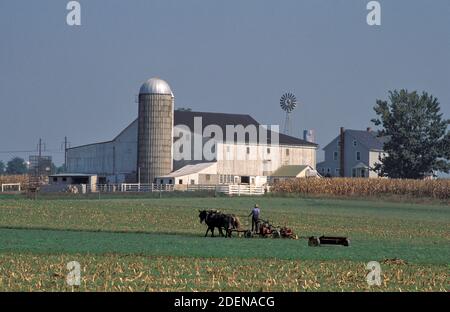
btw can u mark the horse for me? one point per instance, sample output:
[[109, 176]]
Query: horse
[[214, 218]]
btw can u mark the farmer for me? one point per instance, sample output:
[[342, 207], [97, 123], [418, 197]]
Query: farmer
[[255, 217]]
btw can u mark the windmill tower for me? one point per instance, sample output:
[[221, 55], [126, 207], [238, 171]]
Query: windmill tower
[[288, 102]]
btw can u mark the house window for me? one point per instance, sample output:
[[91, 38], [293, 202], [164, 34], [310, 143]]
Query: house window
[[287, 152], [161, 181], [248, 150], [170, 181], [328, 170], [64, 179], [353, 172], [55, 179], [335, 156], [358, 155], [180, 181], [268, 150], [354, 142], [337, 171], [192, 181], [322, 169], [208, 177]]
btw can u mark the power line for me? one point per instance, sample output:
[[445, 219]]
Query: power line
[[7, 152]]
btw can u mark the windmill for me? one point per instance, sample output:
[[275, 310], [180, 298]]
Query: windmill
[[288, 102]]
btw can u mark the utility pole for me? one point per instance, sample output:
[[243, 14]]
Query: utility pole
[[39, 158], [65, 154]]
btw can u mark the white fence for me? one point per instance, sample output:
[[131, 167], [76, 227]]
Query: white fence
[[231, 189], [10, 187], [129, 187], [241, 189]]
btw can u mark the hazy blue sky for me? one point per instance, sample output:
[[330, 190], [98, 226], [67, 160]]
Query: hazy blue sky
[[224, 56]]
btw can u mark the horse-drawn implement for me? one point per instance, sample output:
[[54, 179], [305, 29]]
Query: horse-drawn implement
[[264, 229]]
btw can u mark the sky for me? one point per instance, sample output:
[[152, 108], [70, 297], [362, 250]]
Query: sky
[[229, 56]]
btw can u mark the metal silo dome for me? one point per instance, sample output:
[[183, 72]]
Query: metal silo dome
[[155, 130], [155, 86]]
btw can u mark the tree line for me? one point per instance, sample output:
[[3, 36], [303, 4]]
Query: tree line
[[18, 165]]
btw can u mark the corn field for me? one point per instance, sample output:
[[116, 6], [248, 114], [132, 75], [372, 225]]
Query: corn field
[[22, 179], [438, 189]]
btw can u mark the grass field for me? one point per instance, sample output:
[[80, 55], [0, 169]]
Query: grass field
[[137, 244]]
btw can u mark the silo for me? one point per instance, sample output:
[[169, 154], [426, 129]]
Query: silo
[[155, 130]]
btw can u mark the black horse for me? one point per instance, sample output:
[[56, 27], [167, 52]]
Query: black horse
[[216, 219], [212, 219]]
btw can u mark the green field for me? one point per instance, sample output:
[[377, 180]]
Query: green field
[[137, 244]]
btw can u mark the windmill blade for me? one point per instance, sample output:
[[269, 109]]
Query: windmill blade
[[288, 102]]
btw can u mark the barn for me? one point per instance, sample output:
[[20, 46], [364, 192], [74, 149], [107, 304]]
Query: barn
[[169, 146]]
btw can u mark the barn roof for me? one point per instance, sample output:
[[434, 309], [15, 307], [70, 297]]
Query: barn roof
[[224, 119]]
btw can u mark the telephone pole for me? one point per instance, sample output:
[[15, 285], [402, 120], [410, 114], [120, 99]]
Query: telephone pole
[[65, 154], [39, 158]]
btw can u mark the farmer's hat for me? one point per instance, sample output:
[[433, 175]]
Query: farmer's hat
[[256, 206]]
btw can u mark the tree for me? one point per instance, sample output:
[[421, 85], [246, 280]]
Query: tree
[[16, 166], [417, 138], [2, 167], [56, 169]]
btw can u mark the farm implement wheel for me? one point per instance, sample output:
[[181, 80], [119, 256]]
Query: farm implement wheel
[[276, 234], [313, 241]]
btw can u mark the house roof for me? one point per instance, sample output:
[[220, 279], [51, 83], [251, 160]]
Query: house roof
[[368, 139], [289, 171]]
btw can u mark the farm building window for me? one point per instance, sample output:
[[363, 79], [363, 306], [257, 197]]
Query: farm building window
[[287, 152], [192, 181], [268, 150], [161, 181], [337, 171], [335, 155], [208, 177], [328, 170], [248, 150], [358, 155], [55, 179], [64, 179], [180, 181]]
